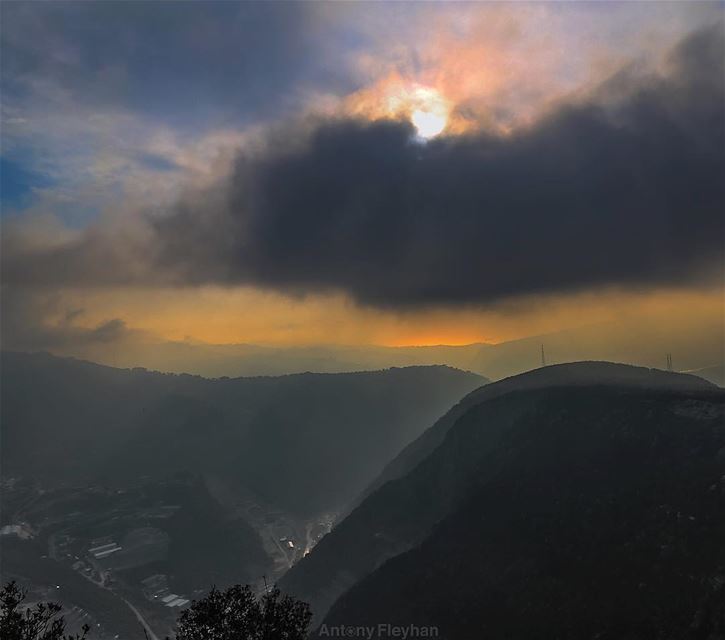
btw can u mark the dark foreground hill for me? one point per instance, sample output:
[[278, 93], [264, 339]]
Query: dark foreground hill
[[589, 513], [512, 458], [282, 438]]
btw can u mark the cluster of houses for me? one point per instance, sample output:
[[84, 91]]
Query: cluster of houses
[[104, 550], [156, 589]]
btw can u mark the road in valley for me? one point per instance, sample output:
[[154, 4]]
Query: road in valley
[[144, 624]]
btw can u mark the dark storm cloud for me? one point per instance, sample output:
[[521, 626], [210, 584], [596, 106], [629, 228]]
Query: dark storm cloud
[[625, 189]]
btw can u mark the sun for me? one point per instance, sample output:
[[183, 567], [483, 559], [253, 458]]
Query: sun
[[429, 113], [428, 123]]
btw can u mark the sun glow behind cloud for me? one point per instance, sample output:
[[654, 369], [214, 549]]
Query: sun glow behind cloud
[[497, 66], [399, 99], [491, 69]]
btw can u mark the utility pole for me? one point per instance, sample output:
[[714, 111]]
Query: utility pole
[[543, 357], [669, 362]]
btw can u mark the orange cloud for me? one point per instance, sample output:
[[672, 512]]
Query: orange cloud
[[495, 65], [487, 65]]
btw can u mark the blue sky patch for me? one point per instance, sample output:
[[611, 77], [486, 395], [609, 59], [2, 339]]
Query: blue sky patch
[[18, 183]]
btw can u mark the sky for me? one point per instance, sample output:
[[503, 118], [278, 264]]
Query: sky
[[357, 173]]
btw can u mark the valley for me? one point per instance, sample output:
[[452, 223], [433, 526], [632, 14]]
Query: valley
[[573, 460], [142, 490], [135, 546]]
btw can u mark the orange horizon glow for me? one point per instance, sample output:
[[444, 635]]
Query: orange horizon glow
[[217, 315]]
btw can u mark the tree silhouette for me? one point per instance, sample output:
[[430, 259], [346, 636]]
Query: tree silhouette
[[39, 622], [237, 614]]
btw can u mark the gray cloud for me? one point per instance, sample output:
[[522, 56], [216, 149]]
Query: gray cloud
[[183, 63], [38, 321], [625, 188]]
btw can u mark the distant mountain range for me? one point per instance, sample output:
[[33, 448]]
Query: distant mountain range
[[574, 501], [282, 438], [694, 345]]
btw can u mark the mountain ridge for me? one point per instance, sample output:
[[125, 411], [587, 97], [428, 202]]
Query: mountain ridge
[[255, 430]]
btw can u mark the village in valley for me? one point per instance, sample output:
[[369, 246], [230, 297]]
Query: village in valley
[[119, 555]]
